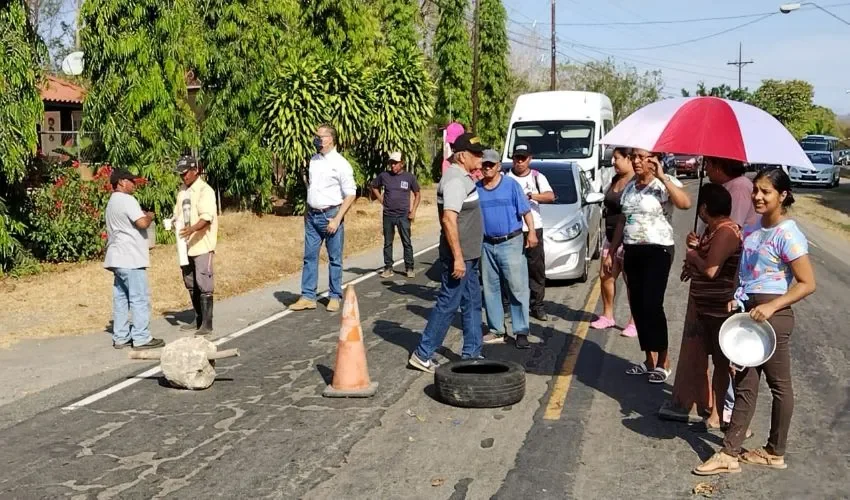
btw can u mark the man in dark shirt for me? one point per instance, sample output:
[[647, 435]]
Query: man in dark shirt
[[460, 251], [399, 210]]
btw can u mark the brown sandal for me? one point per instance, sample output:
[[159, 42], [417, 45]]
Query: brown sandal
[[719, 463], [763, 458]]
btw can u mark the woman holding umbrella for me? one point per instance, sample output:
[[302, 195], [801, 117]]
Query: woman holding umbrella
[[647, 237], [774, 255]]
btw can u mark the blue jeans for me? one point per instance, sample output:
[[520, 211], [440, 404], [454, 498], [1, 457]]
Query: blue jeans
[[315, 232], [505, 263], [131, 295], [465, 294]]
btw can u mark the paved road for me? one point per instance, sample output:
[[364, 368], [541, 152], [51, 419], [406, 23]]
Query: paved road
[[264, 431]]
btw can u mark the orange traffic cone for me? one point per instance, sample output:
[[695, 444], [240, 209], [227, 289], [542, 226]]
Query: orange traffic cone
[[351, 375]]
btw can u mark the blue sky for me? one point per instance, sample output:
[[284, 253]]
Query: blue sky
[[805, 44]]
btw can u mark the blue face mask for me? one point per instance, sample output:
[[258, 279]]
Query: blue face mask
[[317, 141]]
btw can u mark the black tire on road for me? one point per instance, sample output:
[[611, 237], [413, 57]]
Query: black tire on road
[[480, 383]]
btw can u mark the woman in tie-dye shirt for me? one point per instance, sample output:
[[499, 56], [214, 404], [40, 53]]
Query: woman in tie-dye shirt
[[774, 273]]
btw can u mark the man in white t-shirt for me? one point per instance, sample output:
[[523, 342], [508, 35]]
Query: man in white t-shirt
[[537, 188]]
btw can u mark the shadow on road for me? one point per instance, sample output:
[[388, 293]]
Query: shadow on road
[[175, 318], [639, 400], [286, 298]]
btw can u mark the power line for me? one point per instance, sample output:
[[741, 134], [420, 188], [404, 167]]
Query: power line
[[692, 40], [683, 21]]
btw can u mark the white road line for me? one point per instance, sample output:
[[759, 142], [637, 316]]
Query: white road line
[[235, 335]]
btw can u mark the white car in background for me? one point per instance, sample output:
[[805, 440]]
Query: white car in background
[[824, 171]]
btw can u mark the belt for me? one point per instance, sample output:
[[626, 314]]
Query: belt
[[502, 239], [321, 210]]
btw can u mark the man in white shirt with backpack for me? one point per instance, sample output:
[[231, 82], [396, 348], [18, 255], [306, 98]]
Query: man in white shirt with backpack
[[537, 188]]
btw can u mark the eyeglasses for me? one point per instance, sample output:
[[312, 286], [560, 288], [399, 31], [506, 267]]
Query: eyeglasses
[[520, 157], [488, 166]]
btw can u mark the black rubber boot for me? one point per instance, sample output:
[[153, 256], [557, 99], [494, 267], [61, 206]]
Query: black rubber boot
[[196, 305], [206, 327]]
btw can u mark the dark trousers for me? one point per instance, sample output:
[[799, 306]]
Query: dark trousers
[[198, 276], [647, 268], [536, 258], [402, 223], [777, 371]]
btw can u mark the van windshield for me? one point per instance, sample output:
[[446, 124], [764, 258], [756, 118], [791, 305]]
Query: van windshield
[[555, 140], [814, 145]]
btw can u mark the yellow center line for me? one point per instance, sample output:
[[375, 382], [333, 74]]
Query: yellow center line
[[565, 376]]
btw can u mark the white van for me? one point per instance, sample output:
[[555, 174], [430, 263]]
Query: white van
[[564, 125]]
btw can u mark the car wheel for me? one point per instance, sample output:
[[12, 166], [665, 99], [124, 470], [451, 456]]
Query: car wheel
[[586, 271], [480, 383], [597, 252]]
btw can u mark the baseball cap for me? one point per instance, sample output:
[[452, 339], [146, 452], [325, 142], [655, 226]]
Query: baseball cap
[[522, 149], [468, 142], [186, 162], [395, 157], [122, 173], [491, 156]]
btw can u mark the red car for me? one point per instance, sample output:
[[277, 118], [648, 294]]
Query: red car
[[685, 165]]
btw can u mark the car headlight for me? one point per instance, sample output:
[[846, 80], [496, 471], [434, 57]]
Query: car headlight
[[794, 171], [567, 233]]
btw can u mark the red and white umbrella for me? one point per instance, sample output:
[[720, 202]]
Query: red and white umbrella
[[709, 126]]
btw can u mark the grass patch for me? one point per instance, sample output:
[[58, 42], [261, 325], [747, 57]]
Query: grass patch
[[252, 252]]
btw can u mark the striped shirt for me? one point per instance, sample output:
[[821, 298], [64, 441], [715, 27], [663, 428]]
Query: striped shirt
[[711, 295]]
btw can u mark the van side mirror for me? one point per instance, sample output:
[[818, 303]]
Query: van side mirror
[[606, 154]]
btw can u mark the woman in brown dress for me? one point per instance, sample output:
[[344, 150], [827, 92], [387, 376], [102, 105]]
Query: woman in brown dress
[[711, 265]]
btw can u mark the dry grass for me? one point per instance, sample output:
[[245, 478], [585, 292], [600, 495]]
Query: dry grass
[[828, 208], [252, 252]]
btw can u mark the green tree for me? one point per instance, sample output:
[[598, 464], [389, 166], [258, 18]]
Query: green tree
[[400, 20], [627, 89], [453, 56], [249, 41], [494, 82], [723, 91], [789, 101], [293, 105], [348, 28], [138, 53], [21, 108], [402, 107], [822, 121]]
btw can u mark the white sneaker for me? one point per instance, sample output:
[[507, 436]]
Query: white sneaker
[[429, 366]]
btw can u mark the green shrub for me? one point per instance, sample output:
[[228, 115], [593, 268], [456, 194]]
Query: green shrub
[[66, 219]]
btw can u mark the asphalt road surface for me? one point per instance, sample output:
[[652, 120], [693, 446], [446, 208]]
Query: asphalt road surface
[[583, 430]]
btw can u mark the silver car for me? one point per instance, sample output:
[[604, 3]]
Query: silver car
[[572, 226], [824, 172]]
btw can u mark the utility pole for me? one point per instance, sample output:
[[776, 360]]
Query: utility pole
[[476, 44], [553, 68], [739, 63], [77, 25], [33, 7]]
